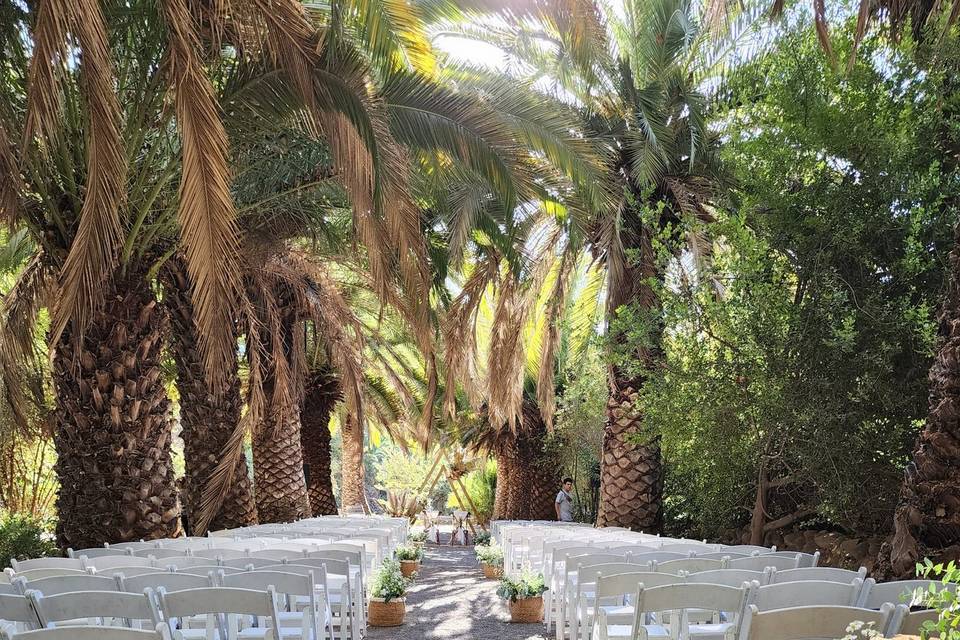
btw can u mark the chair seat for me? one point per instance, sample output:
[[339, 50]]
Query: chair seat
[[624, 631]]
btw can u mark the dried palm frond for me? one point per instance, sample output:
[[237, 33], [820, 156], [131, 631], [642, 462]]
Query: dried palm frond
[[92, 254], [11, 182], [404, 504], [208, 225]]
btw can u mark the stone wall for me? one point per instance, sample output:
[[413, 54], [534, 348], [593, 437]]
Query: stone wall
[[836, 549]]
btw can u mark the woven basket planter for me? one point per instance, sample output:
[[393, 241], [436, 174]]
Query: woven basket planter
[[491, 571], [386, 614], [527, 610], [409, 567]]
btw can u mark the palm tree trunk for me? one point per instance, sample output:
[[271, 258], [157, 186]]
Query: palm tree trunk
[[279, 482], [208, 417], [352, 495], [927, 518], [113, 431], [631, 474], [504, 482], [542, 470], [322, 394]]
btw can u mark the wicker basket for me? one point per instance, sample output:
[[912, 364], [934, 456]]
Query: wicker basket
[[386, 614], [527, 610], [491, 571], [409, 567]]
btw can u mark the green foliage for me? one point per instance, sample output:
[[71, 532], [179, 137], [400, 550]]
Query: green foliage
[[945, 601], [525, 585], [22, 538], [797, 342], [388, 582], [419, 535], [409, 552], [481, 485], [482, 538], [398, 471], [490, 554]]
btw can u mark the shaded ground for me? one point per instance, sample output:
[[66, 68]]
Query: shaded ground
[[451, 600]]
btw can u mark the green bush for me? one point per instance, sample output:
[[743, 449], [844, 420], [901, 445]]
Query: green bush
[[526, 585], [22, 538], [408, 552], [945, 601], [481, 486], [388, 583], [417, 536], [482, 538], [489, 554]]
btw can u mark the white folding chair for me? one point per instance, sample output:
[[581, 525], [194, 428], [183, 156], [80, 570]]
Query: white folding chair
[[690, 547], [807, 593], [186, 563], [97, 552], [276, 555], [749, 549], [561, 561], [657, 556], [653, 605], [158, 553], [814, 623], [827, 574], [98, 608], [224, 608], [131, 547], [805, 560], [92, 633], [913, 593], [731, 577], [570, 577], [911, 623], [243, 563], [37, 574], [220, 555], [346, 606], [614, 595], [17, 610], [290, 587], [578, 605], [128, 571], [167, 581]]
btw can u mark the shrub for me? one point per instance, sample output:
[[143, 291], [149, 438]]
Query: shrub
[[388, 583], [22, 538], [417, 536], [490, 554], [526, 585], [482, 538], [408, 552], [946, 602], [481, 486]]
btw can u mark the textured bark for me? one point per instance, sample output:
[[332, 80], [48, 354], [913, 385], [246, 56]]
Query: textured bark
[[113, 430], [208, 417], [352, 495], [504, 482], [631, 477], [528, 470], [281, 489], [927, 518], [321, 396]]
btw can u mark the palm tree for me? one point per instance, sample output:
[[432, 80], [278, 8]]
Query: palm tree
[[321, 395], [639, 92]]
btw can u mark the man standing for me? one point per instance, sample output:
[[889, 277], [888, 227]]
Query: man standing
[[564, 501]]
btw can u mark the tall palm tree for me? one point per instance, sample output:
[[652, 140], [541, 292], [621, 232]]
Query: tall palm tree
[[321, 395], [640, 93]]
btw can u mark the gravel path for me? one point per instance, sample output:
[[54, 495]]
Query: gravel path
[[450, 600]]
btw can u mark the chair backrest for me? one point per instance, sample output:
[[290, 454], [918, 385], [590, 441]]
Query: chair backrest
[[632, 549], [8, 589], [626, 584], [157, 552], [657, 556], [63, 584], [912, 622], [36, 574], [276, 555], [161, 632], [166, 580], [690, 565], [186, 562], [691, 595], [16, 608], [805, 560], [217, 601], [812, 623], [288, 583], [720, 555], [109, 562], [828, 574], [807, 593], [130, 547], [128, 571], [94, 604], [689, 547], [759, 563], [731, 577], [46, 563], [332, 567], [243, 563], [912, 593], [355, 556], [220, 554], [95, 552], [748, 549], [207, 570]]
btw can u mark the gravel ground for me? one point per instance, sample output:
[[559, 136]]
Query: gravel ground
[[450, 600]]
